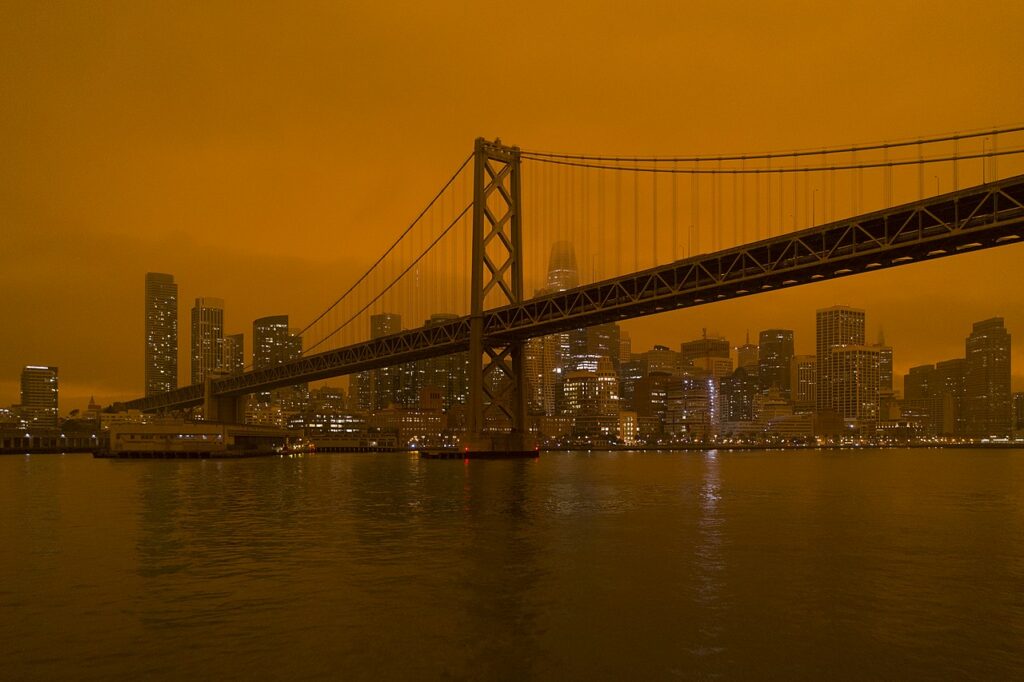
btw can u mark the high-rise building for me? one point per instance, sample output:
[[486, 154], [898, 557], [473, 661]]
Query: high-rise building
[[803, 382], [234, 354], [625, 347], [39, 396], [736, 394], [161, 332], [987, 380], [207, 337], [1018, 411], [540, 364], [884, 364], [448, 373], [271, 344], [776, 353], [855, 383], [378, 389], [836, 326], [747, 356], [563, 272]]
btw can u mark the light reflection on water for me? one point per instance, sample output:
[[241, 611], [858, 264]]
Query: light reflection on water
[[579, 565]]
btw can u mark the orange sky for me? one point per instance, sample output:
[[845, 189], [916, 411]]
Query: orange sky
[[262, 154]]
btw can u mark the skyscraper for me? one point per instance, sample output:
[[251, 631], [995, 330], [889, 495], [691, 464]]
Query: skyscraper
[[803, 382], [161, 332], [855, 383], [563, 273], [747, 356], [39, 395], [271, 344], [376, 389], [987, 380], [207, 337], [835, 326], [234, 354], [774, 358]]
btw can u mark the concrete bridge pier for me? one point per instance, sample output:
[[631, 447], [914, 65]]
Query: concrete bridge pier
[[222, 408]]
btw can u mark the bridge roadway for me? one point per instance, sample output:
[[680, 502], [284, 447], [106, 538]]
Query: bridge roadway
[[979, 217]]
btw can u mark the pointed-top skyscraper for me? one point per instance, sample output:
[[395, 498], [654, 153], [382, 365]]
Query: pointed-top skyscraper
[[563, 272]]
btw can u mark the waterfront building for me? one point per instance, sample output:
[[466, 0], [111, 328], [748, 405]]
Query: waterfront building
[[39, 396], [592, 399], [649, 404], [1018, 411], [987, 380], [835, 327], [207, 337], [855, 384], [161, 333], [692, 408], [774, 359]]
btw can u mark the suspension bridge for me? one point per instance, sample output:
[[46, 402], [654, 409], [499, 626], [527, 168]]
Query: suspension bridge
[[655, 233]]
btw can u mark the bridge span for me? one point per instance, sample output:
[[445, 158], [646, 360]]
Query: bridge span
[[978, 217]]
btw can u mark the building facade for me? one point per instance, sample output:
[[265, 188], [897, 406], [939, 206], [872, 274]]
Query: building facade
[[987, 380], [39, 396], [207, 337], [161, 333], [834, 327]]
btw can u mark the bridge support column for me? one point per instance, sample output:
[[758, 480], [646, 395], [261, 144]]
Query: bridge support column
[[497, 392], [222, 408]]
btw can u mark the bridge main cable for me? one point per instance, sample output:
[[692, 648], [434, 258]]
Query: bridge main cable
[[380, 260], [948, 137]]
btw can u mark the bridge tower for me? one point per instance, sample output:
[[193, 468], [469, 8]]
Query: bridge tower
[[497, 392]]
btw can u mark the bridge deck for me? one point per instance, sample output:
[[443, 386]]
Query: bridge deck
[[975, 218]]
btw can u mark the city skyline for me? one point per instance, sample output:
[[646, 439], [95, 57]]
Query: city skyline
[[802, 325], [219, 206]]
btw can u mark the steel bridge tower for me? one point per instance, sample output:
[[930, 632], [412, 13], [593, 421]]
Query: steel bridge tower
[[497, 393]]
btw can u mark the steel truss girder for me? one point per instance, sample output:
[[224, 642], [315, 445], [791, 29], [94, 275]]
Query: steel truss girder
[[975, 218]]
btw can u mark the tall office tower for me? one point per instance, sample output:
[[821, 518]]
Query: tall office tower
[[835, 326], [207, 337], [885, 364], [39, 395], [234, 354], [161, 329], [747, 356], [803, 382], [376, 389], [591, 398], [1018, 411], [625, 347], [855, 383], [541, 377], [775, 358], [448, 373], [948, 385], [563, 273], [987, 380]]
